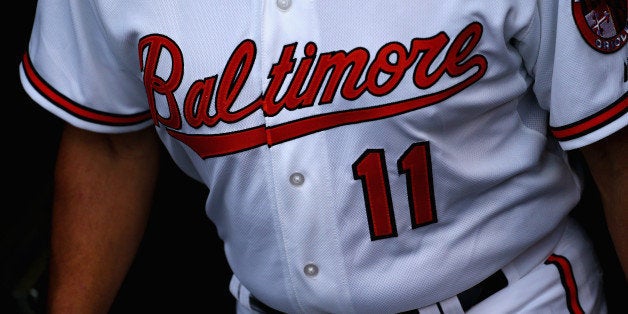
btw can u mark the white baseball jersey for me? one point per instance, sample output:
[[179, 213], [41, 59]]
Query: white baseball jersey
[[361, 156]]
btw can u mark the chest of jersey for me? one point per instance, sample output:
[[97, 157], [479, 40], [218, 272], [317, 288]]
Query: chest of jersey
[[351, 137], [264, 75]]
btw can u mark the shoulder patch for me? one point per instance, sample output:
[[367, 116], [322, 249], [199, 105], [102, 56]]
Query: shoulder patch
[[602, 23]]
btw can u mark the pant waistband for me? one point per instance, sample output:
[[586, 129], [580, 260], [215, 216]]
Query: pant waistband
[[483, 290], [467, 298]]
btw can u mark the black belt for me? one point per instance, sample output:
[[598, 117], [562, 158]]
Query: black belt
[[483, 290], [260, 307], [467, 298]]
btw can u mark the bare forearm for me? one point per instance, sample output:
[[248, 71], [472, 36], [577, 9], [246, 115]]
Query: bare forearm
[[102, 200], [607, 162]]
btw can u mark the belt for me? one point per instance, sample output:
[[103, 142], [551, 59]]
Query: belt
[[467, 298], [260, 307], [483, 290]]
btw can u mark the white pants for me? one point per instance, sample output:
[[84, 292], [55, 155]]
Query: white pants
[[568, 281]]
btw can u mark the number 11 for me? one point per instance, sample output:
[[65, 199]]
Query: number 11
[[415, 163]]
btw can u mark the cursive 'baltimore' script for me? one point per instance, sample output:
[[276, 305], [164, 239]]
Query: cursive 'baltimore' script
[[325, 75]]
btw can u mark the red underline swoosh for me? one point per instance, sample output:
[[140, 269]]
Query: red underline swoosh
[[213, 145]]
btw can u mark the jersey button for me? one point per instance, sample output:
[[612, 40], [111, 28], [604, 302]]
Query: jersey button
[[297, 179], [284, 5], [310, 270]]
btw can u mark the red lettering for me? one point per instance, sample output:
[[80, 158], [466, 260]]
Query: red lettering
[[197, 103], [294, 98], [338, 63], [234, 77], [431, 49], [461, 48], [277, 76], [395, 70], [154, 44], [348, 74]]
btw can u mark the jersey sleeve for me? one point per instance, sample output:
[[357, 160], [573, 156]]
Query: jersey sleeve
[[576, 50], [81, 70]]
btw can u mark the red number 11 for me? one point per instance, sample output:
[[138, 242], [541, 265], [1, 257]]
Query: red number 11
[[415, 163]]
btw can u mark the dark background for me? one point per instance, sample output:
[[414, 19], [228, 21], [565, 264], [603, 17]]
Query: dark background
[[180, 265]]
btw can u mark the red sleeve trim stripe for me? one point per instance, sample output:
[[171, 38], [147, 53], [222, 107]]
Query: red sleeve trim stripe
[[75, 109], [568, 281], [592, 123]]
